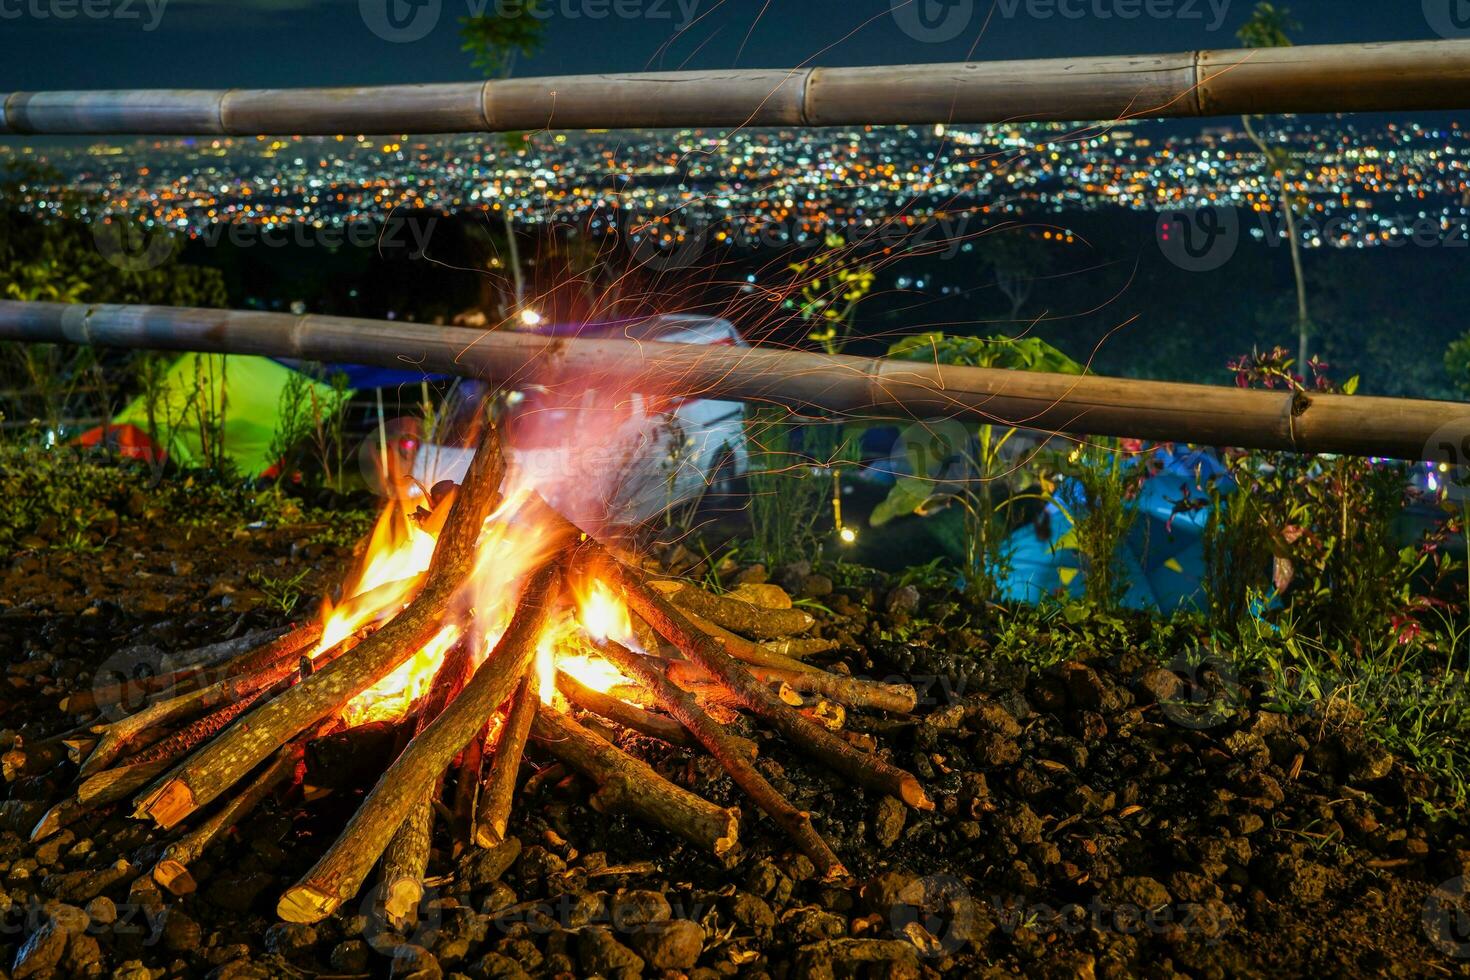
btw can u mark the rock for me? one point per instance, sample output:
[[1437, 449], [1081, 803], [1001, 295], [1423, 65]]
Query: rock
[[132, 970], [289, 938], [1021, 824], [1296, 878], [1375, 762], [1141, 892], [879, 894], [1084, 686], [903, 601], [498, 966], [752, 575], [350, 956], [817, 587], [1163, 686], [102, 911], [537, 863], [599, 953], [888, 821], [633, 909], [83, 957], [673, 945], [179, 933], [39, 955], [844, 957], [242, 970], [483, 868], [751, 914], [412, 962]]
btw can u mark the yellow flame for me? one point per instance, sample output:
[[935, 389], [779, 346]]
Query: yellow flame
[[392, 696], [594, 672]]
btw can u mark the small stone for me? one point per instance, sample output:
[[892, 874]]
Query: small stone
[[1142, 892], [41, 952], [1164, 686], [903, 600], [412, 962], [751, 913], [638, 908], [350, 956], [483, 868], [132, 970], [498, 966], [289, 938], [1375, 762], [888, 821], [599, 953], [673, 945], [83, 956], [102, 910], [178, 932], [817, 587]]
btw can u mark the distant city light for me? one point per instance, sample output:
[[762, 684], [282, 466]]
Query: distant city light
[[530, 318]]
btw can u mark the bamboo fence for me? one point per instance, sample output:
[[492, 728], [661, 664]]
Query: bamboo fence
[[853, 386], [1414, 75]]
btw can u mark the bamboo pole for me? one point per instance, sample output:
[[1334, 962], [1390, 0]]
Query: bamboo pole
[[1310, 78], [1398, 428]]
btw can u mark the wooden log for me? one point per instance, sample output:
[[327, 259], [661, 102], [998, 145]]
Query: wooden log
[[731, 757], [172, 869], [1400, 428], [243, 654], [850, 692], [1204, 415], [99, 791], [746, 651], [1398, 76], [505, 764], [406, 858], [338, 875], [807, 736], [629, 784], [221, 762], [749, 620], [621, 712]]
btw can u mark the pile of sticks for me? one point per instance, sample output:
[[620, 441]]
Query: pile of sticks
[[231, 726]]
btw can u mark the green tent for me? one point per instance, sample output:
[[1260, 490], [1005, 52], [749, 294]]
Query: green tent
[[243, 393]]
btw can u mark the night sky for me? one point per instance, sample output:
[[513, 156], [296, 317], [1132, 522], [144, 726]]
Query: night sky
[[249, 43]]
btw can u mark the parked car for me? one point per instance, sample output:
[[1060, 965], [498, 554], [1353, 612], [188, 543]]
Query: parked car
[[615, 458]]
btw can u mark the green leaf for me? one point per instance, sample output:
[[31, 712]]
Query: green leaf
[[906, 497]]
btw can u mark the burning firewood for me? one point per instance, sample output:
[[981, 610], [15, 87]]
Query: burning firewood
[[731, 757], [629, 784], [394, 664], [500, 790], [340, 872], [736, 615], [222, 762]]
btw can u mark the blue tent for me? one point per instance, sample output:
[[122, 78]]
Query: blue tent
[[1163, 560]]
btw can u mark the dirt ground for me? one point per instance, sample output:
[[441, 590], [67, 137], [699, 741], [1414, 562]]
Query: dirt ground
[[1087, 824]]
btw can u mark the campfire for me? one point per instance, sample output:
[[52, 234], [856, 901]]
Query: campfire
[[482, 623]]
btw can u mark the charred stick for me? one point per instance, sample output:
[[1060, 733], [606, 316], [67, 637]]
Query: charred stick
[[620, 711], [505, 764], [746, 651], [737, 615], [406, 858], [629, 784], [340, 872], [705, 651], [172, 869], [99, 791], [730, 755], [468, 768], [261, 652], [849, 691], [220, 763]]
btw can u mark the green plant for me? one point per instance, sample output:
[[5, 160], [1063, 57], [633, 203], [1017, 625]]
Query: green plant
[[948, 464], [832, 287], [787, 491], [282, 593], [1100, 530]]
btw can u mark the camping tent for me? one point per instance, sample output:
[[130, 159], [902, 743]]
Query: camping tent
[[244, 393], [1163, 560]]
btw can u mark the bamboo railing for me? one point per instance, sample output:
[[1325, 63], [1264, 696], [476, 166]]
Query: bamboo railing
[[854, 386], [1415, 75]]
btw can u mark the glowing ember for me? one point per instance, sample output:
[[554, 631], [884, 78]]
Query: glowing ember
[[590, 671]]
